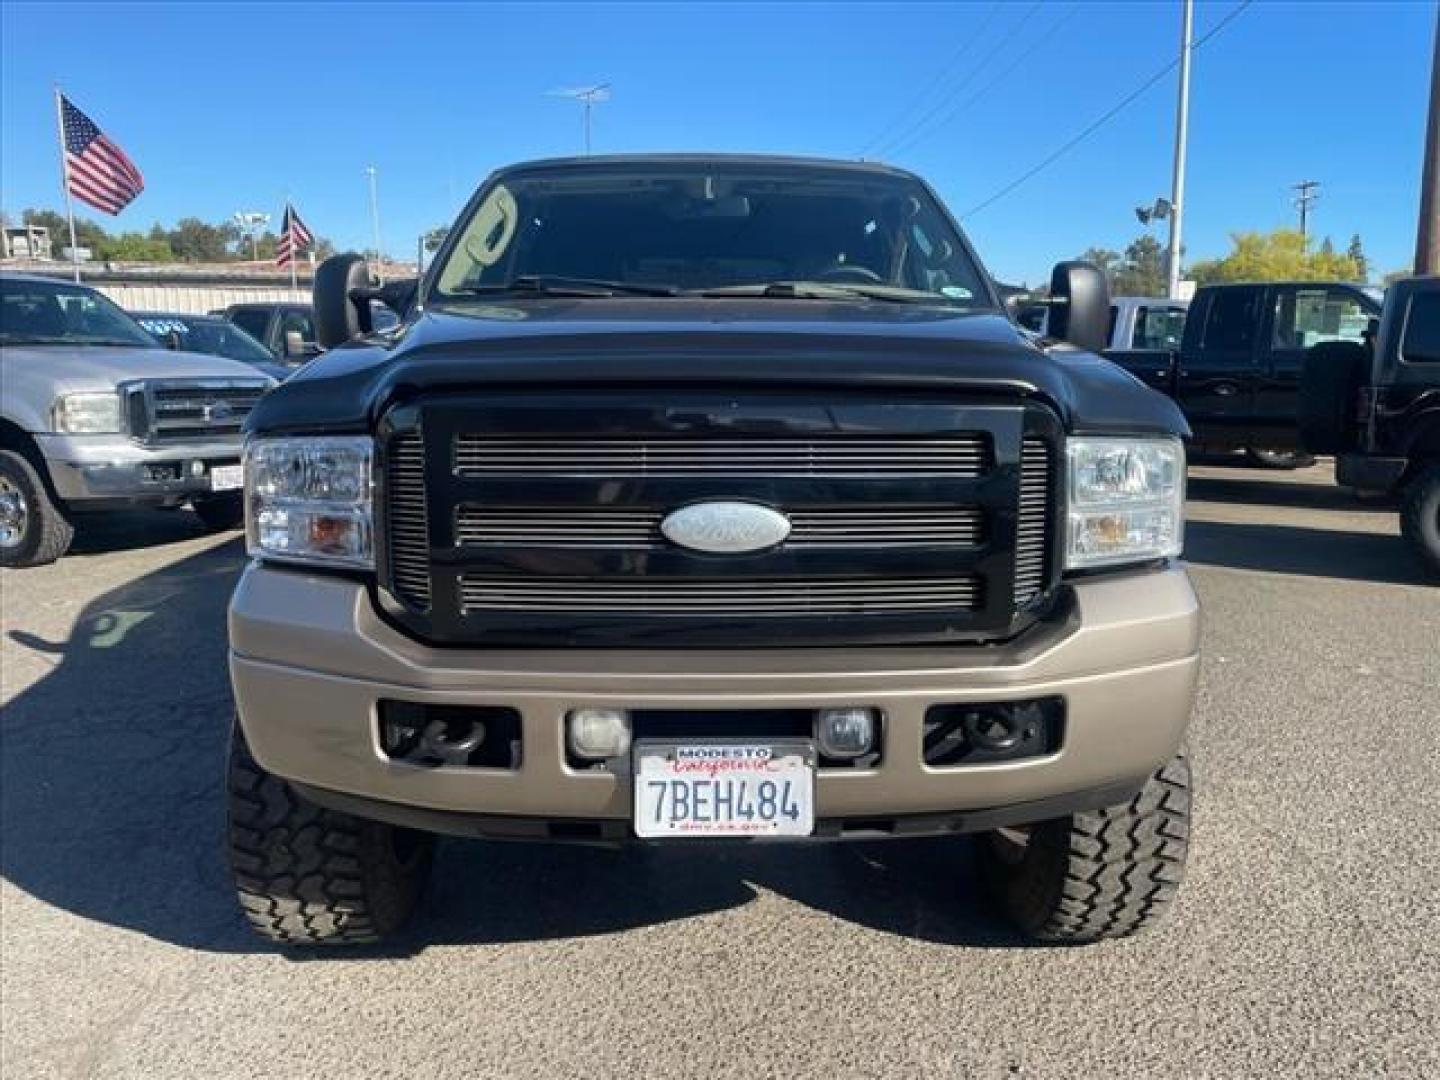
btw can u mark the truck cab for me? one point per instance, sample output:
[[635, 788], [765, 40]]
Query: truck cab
[[1237, 371]]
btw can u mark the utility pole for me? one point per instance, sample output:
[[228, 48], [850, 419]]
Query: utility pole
[[1427, 239], [1182, 134], [375, 224], [1305, 198]]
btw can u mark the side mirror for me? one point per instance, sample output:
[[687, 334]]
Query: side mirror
[[338, 318], [342, 297], [1080, 305], [294, 345]]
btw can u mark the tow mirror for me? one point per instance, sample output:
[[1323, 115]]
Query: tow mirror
[[342, 296], [1080, 305]]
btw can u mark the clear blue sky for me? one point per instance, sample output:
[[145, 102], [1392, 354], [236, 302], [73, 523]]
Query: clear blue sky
[[230, 107]]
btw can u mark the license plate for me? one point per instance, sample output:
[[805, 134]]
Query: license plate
[[227, 477], [724, 789]]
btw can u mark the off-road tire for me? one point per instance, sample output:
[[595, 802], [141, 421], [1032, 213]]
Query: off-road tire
[[220, 514], [311, 876], [1280, 459], [1420, 517], [48, 530], [1097, 874]]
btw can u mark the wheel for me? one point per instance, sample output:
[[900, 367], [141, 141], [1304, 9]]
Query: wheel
[[1098, 874], [1280, 459], [1420, 516], [311, 876], [1329, 383], [33, 528], [220, 513]]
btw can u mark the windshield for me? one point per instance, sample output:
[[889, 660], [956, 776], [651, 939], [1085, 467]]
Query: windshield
[[215, 337], [661, 229], [54, 313]]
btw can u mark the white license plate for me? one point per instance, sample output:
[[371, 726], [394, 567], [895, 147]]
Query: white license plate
[[227, 477], [724, 789]]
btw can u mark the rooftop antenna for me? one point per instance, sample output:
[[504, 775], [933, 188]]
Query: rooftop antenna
[[589, 96]]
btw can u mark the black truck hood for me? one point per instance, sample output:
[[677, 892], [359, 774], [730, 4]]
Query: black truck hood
[[730, 344]]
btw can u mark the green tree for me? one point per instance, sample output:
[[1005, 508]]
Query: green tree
[[88, 234], [1281, 255], [193, 240], [135, 247], [1105, 260], [1356, 252], [1143, 271]]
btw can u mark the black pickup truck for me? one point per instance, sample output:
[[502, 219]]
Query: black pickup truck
[[1238, 371]]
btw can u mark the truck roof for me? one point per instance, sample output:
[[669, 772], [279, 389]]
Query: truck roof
[[791, 160]]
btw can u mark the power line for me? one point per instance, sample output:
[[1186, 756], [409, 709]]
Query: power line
[[954, 58], [1035, 45], [997, 50], [1106, 117]]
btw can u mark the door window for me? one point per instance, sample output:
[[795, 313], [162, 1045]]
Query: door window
[[1421, 341], [1230, 324], [1158, 328], [253, 321], [1305, 317], [300, 322]]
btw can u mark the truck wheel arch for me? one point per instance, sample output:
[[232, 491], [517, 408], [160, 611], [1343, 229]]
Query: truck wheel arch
[[1422, 446]]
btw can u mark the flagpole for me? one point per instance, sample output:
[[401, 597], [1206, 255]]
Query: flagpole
[[290, 229], [65, 182]]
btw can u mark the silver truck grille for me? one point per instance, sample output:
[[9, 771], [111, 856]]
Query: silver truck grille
[[690, 597], [524, 526], [173, 410], [966, 455], [1030, 538], [409, 550]]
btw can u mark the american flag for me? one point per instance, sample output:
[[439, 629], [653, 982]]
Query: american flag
[[293, 236], [96, 170]]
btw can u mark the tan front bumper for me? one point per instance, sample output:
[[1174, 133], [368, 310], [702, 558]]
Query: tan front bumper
[[310, 660]]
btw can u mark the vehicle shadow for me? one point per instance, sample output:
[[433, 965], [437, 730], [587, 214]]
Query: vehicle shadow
[[111, 808], [1290, 549], [100, 534], [1273, 492]]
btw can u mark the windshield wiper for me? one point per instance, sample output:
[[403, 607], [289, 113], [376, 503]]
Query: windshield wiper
[[826, 290], [559, 285]]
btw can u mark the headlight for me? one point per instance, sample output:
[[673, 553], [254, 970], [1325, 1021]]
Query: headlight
[[308, 500], [86, 414], [1127, 501]]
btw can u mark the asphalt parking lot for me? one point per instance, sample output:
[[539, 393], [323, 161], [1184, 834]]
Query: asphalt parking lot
[[1305, 942]]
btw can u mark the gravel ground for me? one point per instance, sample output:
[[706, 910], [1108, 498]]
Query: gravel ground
[[1304, 944]]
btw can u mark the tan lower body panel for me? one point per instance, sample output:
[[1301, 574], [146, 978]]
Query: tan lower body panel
[[310, 661]]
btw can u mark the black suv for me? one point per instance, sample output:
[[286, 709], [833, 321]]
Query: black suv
[[1376, 406]]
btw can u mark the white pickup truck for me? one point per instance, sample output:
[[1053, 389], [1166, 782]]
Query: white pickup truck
[[95, 414], [1137, 323]]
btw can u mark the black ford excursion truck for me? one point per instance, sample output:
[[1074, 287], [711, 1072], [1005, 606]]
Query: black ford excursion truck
[[699, 499]]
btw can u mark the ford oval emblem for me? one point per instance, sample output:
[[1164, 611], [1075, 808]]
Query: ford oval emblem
[[725, 528]]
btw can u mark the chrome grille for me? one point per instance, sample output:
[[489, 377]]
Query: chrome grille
[[727, 596], [174, 410], [409, 521], [1030, 532], [581, 527], [963, 455]]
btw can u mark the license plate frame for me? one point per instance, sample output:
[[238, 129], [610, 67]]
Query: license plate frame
[[227, 477], [694, 764]]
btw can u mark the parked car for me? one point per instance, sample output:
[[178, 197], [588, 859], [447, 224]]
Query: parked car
[[713, 498], [1237, 371], [213, 336], [287, 330], [96, 414], [1138, 324], [1375, 405]]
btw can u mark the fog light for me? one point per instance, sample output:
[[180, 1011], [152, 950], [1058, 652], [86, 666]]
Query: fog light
[[845, 733], [197, 468], [596, 734]]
